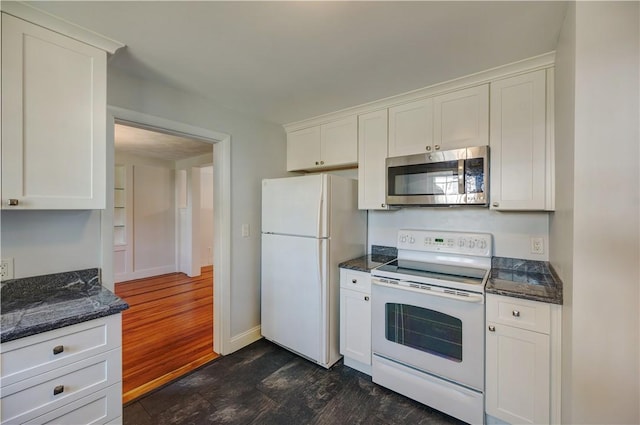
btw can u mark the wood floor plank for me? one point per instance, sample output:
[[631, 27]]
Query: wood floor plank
[[167, 331]]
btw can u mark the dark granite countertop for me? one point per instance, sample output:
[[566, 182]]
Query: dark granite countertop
[[526, 279], [43, 303], [379, 255]]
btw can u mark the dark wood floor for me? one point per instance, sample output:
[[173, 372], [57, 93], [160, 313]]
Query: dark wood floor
[[265, 384], [167, 330]]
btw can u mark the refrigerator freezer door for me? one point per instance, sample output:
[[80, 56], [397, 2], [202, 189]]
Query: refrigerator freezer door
[[295, 206], [294, 294]]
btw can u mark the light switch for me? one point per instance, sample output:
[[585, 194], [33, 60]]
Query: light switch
[[245, 230]]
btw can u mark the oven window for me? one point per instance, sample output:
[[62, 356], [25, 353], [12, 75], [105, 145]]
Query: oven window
[[439, 178], [425, 330]]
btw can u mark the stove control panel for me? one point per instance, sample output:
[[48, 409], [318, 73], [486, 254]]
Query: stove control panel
[[478, 244]]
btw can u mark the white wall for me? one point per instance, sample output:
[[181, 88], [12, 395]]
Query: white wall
[[44, 242], [511, 231], [258, 150], [206, 216], [601, 378]]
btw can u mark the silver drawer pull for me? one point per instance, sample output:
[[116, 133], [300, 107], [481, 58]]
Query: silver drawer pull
[[13, 202], [492, 328], [354, 280], [58, 349], [515, 313], [366, 298], [58, 390]]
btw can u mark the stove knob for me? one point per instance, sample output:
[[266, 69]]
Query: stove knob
[[411, 239], [461, 243], [472, 243], [482, 244], [403, 238]]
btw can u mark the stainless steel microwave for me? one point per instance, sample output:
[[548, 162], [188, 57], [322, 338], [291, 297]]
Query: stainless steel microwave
[[454, 177]]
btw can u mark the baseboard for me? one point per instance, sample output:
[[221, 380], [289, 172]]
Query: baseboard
[[141, 274], [245, 338]]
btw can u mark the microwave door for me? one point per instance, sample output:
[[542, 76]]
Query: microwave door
[[430, 183]]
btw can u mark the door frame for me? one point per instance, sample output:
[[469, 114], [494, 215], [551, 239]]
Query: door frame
[[221, 211]]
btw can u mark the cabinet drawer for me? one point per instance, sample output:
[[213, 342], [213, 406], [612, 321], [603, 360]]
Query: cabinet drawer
[[357, 281], [33, 397], [523, 314], [27, 357], [101, 407]]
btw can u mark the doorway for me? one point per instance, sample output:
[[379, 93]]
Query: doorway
[[221, 213]]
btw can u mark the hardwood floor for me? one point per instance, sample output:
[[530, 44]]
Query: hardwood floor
[[167, 330]]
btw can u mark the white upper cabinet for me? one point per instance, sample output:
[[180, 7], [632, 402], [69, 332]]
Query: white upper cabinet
[[330, 145], [521, 143], [450, 121], [372, 153], [53, 119], [461, 118], [411, 128]]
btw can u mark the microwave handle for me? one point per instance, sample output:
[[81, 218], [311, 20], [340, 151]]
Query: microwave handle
[[461, 176]]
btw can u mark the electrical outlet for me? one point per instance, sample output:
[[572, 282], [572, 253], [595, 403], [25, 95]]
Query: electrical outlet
[[6, 269], [537, 245]]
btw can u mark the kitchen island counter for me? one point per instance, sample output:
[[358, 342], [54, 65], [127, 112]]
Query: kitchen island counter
[[526, 279], [38, 304]]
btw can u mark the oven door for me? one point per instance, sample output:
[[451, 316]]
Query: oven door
[[438, 333]]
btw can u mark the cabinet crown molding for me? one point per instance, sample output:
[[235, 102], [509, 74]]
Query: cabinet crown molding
[[543, 61], [44, 19]]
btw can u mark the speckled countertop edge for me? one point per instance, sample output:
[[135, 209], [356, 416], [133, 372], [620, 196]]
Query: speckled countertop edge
[[379, 255], [39, 304], [524, 279]]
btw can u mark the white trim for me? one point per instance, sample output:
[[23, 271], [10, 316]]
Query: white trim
[[222, 213], [531, 64], [245, 338], [555, 392], [141, 274], [44, 19]]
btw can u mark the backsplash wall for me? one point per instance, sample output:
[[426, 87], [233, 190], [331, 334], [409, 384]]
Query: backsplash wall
[[511, 231]]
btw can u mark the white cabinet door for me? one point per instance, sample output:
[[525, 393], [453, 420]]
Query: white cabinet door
[[461, 118], [355, 325], [326, 146], [303, 149], [372, 153], [517, 375], [518, 143], [53, 120], [339, 142], [411, 128]]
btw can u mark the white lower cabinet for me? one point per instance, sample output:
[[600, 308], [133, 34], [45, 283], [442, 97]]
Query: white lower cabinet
[[68, 375], [522, 361], [355, 319]]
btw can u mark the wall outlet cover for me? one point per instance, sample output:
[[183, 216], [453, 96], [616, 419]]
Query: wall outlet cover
[[6, 269], [537, 245]]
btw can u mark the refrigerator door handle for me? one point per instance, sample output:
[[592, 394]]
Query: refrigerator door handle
[[320, 260], [320, 206]]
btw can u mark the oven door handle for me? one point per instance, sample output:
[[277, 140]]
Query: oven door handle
[[471, 298]]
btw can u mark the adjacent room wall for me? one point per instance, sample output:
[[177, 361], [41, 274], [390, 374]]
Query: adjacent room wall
[[258, 150], [206, 216]]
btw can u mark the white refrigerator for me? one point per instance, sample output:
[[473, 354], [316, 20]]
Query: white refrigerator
[[310, 224]]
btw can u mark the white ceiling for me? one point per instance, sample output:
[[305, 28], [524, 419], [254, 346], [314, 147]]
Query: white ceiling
[[287, 61], [153, 144]]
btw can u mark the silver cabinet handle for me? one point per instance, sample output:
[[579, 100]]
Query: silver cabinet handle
[[437, 147], [354, 280], [13, 202], [317, 163], [492, 328], [428, 148], [382, 205], [515, 313], [366, 298], [58, 390], [321, 162], [496, 204], [58, 349]]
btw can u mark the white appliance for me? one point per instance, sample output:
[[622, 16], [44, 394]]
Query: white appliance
[[428, 320], [310, 224]]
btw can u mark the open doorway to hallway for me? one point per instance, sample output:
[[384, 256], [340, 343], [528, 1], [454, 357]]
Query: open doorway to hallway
[[163, 254]]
